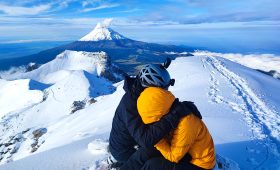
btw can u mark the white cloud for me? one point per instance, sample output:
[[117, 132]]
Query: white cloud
[[19, 10], [130, 10], [85, 3], [107, 22], [100, 7], [64, 4], [23, 41], [90, 2]]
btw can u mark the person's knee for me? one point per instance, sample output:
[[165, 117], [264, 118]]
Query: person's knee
[[150, 164], [147, 153], [121, 157]]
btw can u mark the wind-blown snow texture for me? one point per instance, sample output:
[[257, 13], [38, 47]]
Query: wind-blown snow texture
[[239, 106]]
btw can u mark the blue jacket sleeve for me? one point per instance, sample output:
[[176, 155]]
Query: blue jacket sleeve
[[148, 135]]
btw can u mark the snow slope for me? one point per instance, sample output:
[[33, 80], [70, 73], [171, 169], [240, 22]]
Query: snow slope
[[239, 106], [264, 62], [9, 98], [28, 105], [63, 64]]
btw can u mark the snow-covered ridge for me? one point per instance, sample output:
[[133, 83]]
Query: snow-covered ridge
[[263, 62], [266, 63], [102, 32], [175, 53], [93, 62]]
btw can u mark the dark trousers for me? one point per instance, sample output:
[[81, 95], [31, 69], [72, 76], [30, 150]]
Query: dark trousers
[[163, 164], [151, 159], [121, 156], [138, 158]]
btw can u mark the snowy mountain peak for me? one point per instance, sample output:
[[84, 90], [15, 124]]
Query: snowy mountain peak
[[102, 32]]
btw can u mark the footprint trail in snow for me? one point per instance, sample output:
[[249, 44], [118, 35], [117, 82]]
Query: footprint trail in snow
[[262, 120]]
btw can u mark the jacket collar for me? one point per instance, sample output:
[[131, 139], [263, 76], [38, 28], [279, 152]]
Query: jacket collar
[[132, 86], [128, 83]]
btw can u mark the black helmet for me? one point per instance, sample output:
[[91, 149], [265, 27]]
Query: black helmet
[[156, 75]]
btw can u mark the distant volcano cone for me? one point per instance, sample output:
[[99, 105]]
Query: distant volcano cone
[[124, 52], [102, 32]]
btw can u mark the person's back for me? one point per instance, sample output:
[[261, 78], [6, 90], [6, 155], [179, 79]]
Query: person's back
[[121, 142], [201, 146], [191, 136]]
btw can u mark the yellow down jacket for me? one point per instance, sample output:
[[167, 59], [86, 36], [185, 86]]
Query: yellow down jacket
[[191, 136]]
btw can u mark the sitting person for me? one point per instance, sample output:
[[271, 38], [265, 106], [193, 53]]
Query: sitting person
[[190, 137], [128, 129]]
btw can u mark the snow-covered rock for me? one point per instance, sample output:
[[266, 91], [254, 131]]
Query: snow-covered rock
[[31, 66], [102, 32]]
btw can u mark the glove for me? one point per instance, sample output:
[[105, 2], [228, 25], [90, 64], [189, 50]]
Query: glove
[[179, 109], [192, 107]]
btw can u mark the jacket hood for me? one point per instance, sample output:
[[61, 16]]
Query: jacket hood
[[128, 83], [153, 103]]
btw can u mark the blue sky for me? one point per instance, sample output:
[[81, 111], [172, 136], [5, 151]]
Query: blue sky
[[232, 23]]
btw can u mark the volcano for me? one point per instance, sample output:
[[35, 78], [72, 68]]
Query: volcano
[[126, 53]]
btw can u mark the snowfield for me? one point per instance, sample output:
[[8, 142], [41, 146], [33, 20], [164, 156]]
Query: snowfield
[[10, 100], [64, 120], [263, 62]]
